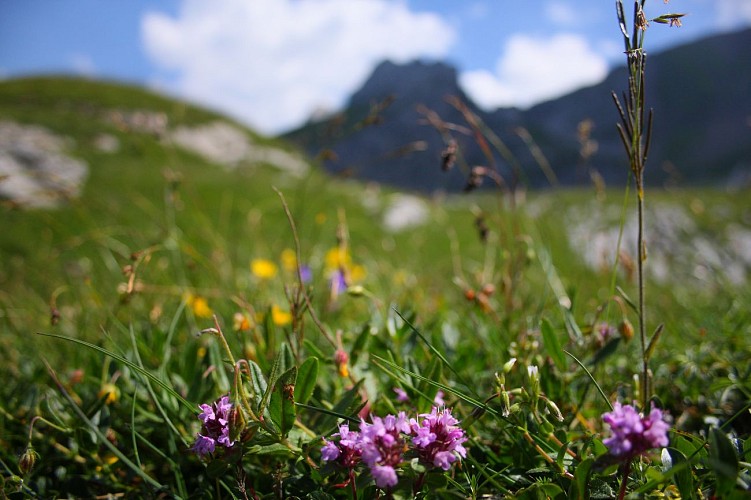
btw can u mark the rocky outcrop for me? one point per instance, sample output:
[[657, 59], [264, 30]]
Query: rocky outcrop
[[35, 168]]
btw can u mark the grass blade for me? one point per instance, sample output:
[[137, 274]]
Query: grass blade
[[102, 438], [604, 397], [129, 364]]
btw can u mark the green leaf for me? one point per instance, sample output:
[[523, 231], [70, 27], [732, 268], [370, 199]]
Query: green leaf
[[627, 299], [540, 491], [273, 376], [282, 408], [682, 473], [276, 449], [217, 469], [359, 345], [552, 344], [653, 341], [257, 381], [314, 349], [723, 460], [347, 405], [581, 479], [416, 466], [287, 358], [306, 380]]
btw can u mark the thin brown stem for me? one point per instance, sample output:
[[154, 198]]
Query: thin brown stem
[[305, 294]]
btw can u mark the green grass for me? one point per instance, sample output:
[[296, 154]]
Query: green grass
[[193, 227]]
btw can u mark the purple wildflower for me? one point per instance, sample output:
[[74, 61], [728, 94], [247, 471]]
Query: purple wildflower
[[346, 451], [633, 433], [215, 429], [605, 332], [401, 395], [383, 447], [438, 399], [306, 274], [204, 445], [330, 451], [438, 438], [384, 475], [338, 283]]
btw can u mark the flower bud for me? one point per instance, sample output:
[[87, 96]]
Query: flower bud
[[27, 460], [534, 380], [554, 410], [505, 404], [626, 330]]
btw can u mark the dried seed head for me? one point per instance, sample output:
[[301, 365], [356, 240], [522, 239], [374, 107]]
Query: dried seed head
[[448, 156], [482, 228], [475, 178], [54, 316], [641, 20]]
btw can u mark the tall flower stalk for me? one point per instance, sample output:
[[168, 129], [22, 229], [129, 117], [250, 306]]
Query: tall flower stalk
[[635, 132]]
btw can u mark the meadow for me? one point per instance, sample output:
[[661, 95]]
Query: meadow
[[191, 330]]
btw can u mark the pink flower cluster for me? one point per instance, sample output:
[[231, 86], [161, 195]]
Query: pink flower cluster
[[634, 434], [438, 438], [215, 427], [435, 438]]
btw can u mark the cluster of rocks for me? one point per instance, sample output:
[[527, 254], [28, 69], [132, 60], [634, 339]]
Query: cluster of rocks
[[222, 143], [677, 248], [35, 170]]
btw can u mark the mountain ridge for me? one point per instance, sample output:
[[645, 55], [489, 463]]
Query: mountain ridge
[[700, 93]]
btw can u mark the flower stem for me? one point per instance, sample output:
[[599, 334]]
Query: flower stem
[[642, 312], [352, 484], [418, 484], [624, 482]]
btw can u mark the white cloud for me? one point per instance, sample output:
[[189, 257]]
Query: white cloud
[[532, 70], [733, 13], [274, 62]]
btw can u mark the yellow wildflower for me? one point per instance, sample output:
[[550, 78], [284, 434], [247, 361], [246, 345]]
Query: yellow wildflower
[[263, 268], [199, 306], [111, 391], [289, 260], [338, 258], [320, 218], [357, 273], [280, 317]]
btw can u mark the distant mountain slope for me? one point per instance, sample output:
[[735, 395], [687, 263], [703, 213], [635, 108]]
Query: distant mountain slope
[[701, 93], [59, 137]]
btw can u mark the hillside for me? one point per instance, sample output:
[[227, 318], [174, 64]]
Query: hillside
[[95, 174], [699, 92]]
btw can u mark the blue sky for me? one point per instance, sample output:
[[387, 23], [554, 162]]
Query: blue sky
[[271, 63]]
